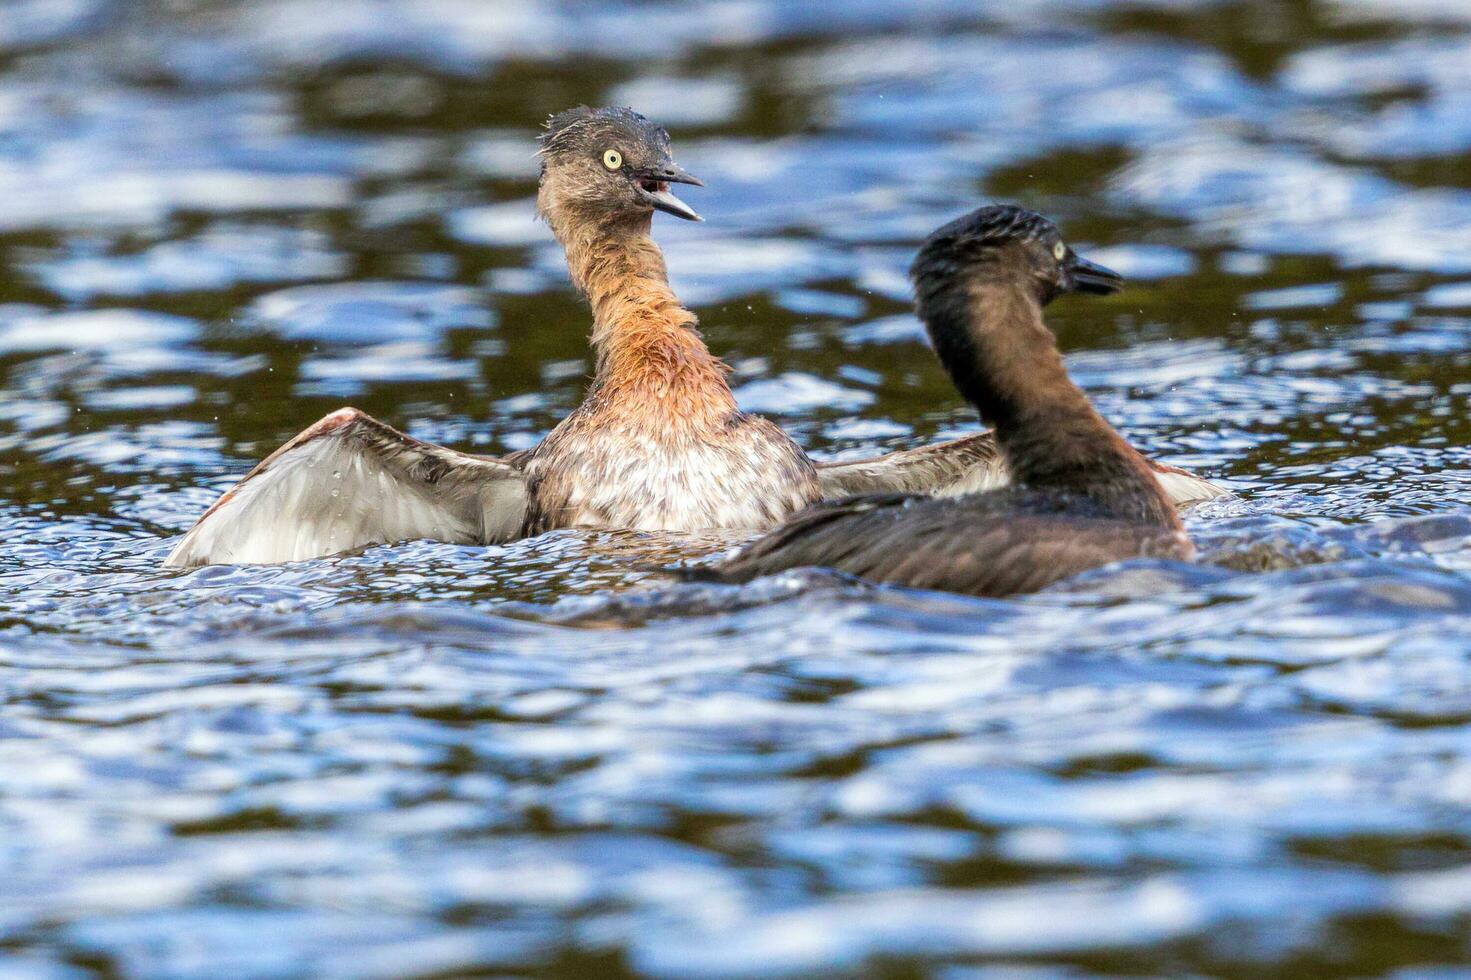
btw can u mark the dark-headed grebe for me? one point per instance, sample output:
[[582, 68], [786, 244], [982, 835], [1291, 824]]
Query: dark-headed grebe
[[657, 444], [1080, 497]]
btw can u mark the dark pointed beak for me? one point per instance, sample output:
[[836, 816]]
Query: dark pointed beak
[[1090, 277], [654, 182], [676, 174]]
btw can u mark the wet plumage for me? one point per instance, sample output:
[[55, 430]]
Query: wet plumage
[[999, 543], [657, 444], [1081, 496]]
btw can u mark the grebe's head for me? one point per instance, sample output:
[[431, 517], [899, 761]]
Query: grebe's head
[[1006, 246], [607, 167]]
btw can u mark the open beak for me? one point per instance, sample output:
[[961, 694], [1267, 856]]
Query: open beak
[[653, 185], [1090, 277]]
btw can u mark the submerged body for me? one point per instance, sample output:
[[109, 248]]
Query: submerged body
[[1081, 496], [998, 543], [658, 443]]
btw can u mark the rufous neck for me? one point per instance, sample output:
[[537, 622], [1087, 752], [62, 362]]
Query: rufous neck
[[622, 273], [647, 342]]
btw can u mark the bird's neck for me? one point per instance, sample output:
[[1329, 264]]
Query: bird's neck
[[1004, 360], [650, 356]]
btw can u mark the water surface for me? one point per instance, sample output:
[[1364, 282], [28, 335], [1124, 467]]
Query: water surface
[[221, 220]]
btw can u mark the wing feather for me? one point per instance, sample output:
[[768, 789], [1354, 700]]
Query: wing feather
[[970, 465], [973, 545], [958, 466], [350, 481], [1184, 487]]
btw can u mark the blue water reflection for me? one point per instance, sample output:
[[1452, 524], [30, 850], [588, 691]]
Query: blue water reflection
[[220, 220]]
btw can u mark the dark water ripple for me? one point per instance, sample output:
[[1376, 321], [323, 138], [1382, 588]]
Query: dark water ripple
[[220, 220]]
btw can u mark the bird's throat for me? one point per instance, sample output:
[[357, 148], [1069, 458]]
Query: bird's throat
[[651, 361], [1004, 360]]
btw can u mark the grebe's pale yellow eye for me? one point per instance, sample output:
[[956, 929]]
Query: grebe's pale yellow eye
[[1058, 251], [612, 159]]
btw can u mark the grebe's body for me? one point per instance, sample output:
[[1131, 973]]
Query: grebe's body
[[1081, 496], [658, 444], [737, 472]]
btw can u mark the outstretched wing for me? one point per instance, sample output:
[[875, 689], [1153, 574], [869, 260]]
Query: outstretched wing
[[350, 481], [1184, 487], [956, 546], [969, 465]]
